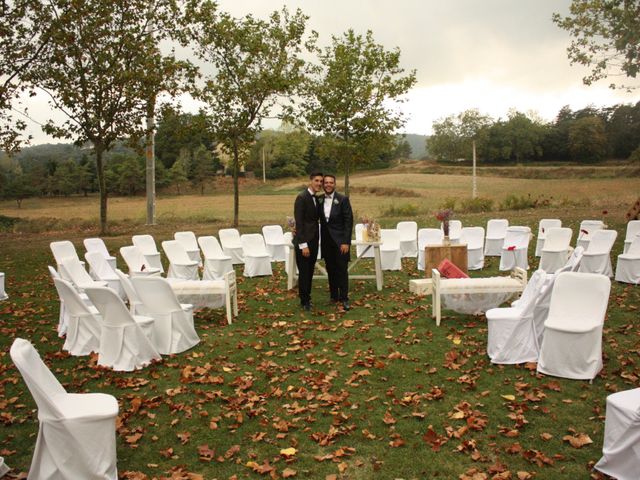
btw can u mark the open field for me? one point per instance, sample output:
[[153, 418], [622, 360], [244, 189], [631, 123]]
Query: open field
[[377, 392]]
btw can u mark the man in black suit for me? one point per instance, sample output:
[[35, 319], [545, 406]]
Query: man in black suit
[[305, 241], [336, 223]]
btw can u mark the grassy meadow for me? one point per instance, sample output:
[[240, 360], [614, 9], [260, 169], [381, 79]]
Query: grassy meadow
[[376, 392]]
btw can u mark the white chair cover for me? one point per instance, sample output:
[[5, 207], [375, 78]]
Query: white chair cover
[[408, 232], [84, 324], [257, 260], [231, 244], [633, 229], [597, 258], [511, 334], [135, 304], [515, 248], [199, 293], [628, 266], [576, 317], [587, 229], [63, 250], [474, 238], [496, 230], [173, 322], [125, 343], [147, 246], [359, 229], [4, 468], [190, 244], [390, 253], [104, 272], [555, 250], [543, 227], [620, 452], [97, 245], [76, 432], [216, 263], [180, 264], [72, 270], [427, 236], [137, 263], [455, 229], [63, 318], [288, 238], [3, 294], [275, 242]]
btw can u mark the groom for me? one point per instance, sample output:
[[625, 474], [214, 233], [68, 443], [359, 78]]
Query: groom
[[336, 224]]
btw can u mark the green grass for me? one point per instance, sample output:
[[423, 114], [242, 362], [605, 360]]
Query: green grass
[[365, 394]]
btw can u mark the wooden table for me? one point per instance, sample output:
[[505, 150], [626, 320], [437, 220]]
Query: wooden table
[[292, 274], [434, 254]]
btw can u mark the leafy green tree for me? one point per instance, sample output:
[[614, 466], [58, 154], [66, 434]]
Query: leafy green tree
[[256, 62], [317, 158], [351, 97], [178, 172], [403, 149], [588, 139], [203, 168], [453, 136], [623, 130], [517, 139], [606, 37], [17, 187], [65, 179], [284, 153]]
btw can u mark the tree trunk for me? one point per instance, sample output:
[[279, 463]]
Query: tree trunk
[[151, 162], [236, 192], [102, 187], [347, 164]]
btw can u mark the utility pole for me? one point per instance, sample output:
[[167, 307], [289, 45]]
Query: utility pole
[[264, 170], [150, 153], [474, 192]]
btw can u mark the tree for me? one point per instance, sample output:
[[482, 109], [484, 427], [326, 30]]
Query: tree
[[588, 139], [256, 62], [178, 171], [95, 71], [606, 35], [17, 187], [403, 148], [518, 139], [351, 95], [453, 136], [203, 167]]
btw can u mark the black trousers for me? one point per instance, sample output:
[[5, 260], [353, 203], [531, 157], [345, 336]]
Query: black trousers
[[337, 264], [306, 265]]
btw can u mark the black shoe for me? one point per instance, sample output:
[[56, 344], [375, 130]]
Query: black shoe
[[346, 305]]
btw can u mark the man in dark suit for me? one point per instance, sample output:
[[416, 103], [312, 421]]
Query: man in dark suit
[[336, 223], [305, 241]]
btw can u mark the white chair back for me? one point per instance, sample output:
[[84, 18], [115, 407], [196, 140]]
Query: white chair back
[[429, 236], [473, 237], [390, 239], [273, 234], [211, 247], [602, 241], [497, 228], [633, 229], [156, 294], [113, 310], [574, 259], [71, 298], [546, 223], [517, 236], [134, 300], [175, 252], [187, 240], [72, 269], [557, 238], [99, 266], [455, 229], [229, 238], [634, 248], [408, 230], [134, 258], [579, 300], [530, 294], [62, 250], [96, 245], [146, 244], [253, 244], [588, 228]]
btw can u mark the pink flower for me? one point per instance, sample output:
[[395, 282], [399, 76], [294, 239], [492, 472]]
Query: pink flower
[[511, 248], [582, 230]]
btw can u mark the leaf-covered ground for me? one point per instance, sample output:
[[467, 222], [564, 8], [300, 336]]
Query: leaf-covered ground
[[376, 392]]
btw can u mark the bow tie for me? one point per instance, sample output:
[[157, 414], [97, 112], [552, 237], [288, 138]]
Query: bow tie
[[328, 196]]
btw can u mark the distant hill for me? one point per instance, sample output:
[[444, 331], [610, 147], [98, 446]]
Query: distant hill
[[418, 145]]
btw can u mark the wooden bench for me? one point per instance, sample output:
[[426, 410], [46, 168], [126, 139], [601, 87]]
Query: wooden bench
[[513, 284]]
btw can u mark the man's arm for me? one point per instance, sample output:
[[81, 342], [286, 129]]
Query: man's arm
[[298, 215], [347, 218]]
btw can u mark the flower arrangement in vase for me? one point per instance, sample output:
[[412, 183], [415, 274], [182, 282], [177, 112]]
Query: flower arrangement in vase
[[444, 216], [371, 231]]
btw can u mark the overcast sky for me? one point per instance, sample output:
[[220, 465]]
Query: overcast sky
[[492, 55]]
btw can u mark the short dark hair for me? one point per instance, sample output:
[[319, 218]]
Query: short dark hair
[[315, 174], [330, 175]]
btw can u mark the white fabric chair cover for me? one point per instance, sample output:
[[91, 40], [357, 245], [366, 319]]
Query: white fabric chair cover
[[173, 322], [84, 324], [104, 272], [572, 342], [543, 227], [555, 250], [126, 341], [216, 263], [199, 293], [97, 245], [288, 238], [633, 229], [3, 294], [628, 266], [408, 232], [147, 246], [63, 250], [275, 242], [4, 468], [496, 230], [135, 304], [190, 244], [137, 263], [76, 432], [63, 318], [511, 335], [73, 271], [359, 228], [474, 238], [515, 248], [620, 452], [587, 229], [455, 229], [574, 259], [180, 264], [597, 258], [427, 236], [257, 260], [231, 244], [390, 253]]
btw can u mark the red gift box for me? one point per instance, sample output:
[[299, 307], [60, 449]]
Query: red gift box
[[449, 270]]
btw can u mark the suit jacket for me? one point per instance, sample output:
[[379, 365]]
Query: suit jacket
[[305, 213], [340, 223]]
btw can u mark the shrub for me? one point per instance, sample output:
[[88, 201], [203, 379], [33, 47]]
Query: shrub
[[448, 203], [476, 205], [518, 202], [402, 210]]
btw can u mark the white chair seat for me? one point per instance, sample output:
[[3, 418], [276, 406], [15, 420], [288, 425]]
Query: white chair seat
[[257, 262]]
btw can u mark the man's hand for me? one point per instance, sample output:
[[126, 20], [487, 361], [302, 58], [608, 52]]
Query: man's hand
[[306, 252], [344, 248]]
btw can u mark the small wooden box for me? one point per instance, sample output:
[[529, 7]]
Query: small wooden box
[[434, 254]]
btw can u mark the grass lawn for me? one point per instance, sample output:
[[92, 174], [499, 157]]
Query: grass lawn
[[377, 392]]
